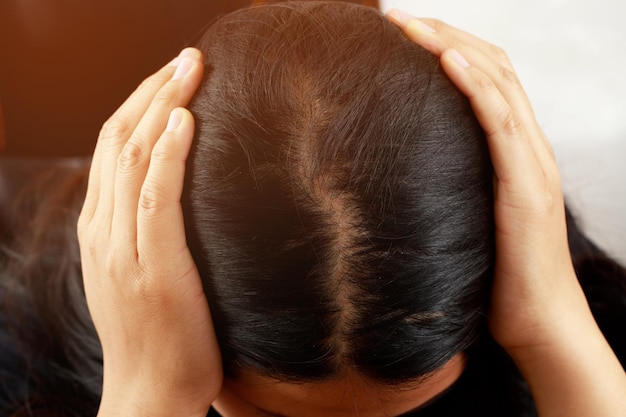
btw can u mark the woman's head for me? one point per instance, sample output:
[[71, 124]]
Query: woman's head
[[338, 201]]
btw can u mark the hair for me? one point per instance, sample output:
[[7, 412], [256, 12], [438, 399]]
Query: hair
[[349, 222], [50, 355], [339, 206]]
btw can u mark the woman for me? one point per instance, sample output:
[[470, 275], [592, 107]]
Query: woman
[[339, 210]]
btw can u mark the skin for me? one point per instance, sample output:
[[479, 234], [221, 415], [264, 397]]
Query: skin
[[539, 313], [142, 287], [144, 293], [251, 394]]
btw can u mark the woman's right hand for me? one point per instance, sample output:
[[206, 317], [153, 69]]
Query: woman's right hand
[[161, 357], [538, 311]]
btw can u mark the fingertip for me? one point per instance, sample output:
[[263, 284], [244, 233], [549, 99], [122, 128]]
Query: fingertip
[[187, 127], [186, 114], [179, 117], [408, 23], [174, 120], [187, 52], [456, 70], [180, 127], [398, 17], [188, 75], [191, 52]]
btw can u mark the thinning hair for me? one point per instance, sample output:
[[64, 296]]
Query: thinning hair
[[339, 202]]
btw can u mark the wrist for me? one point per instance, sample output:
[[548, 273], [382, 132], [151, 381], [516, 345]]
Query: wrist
[[139, 408], [128, 401], [146, 390], [575, 374], [562, 341], [562, 328], [552, 317]]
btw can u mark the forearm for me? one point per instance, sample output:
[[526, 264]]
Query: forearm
[[576, 376]]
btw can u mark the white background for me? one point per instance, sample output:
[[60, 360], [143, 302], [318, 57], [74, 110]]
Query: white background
[[571, 57]]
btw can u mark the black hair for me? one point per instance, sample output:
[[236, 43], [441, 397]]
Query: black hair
[[50, 355], [349, 222], [338, 204]]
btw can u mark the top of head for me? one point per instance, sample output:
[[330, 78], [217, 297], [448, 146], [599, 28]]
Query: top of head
[[338, 198]]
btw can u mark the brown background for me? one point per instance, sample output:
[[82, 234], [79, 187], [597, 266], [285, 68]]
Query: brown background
[[66, 65]]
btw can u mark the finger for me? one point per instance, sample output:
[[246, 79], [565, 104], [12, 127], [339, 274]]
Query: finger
[[507, 82], [127, 119], [513, 157], [116, 131], [437, 37], [429, 33], [160, 226], [135, 157]]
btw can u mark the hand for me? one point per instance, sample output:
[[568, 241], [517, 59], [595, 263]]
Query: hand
[[143, 290], [536, 294], [539, 313]]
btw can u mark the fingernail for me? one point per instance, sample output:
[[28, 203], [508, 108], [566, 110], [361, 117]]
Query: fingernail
[[404, 18], [173, 122], [458, 58], [184, 65], [399, 16], [192, 52]]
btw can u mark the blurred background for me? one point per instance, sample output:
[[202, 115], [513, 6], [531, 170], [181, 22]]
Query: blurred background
[[66, 65], [570, 56]]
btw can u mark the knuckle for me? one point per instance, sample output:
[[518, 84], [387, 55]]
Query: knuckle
[[511, 123], [163, 151], [509, 76], [132, 156], [485, 83], [151, 201], [436, 24], [114, 128]]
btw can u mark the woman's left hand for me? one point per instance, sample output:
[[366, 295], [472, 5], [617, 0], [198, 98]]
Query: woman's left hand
[[538, 313], [535, 292], [161, 357]]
